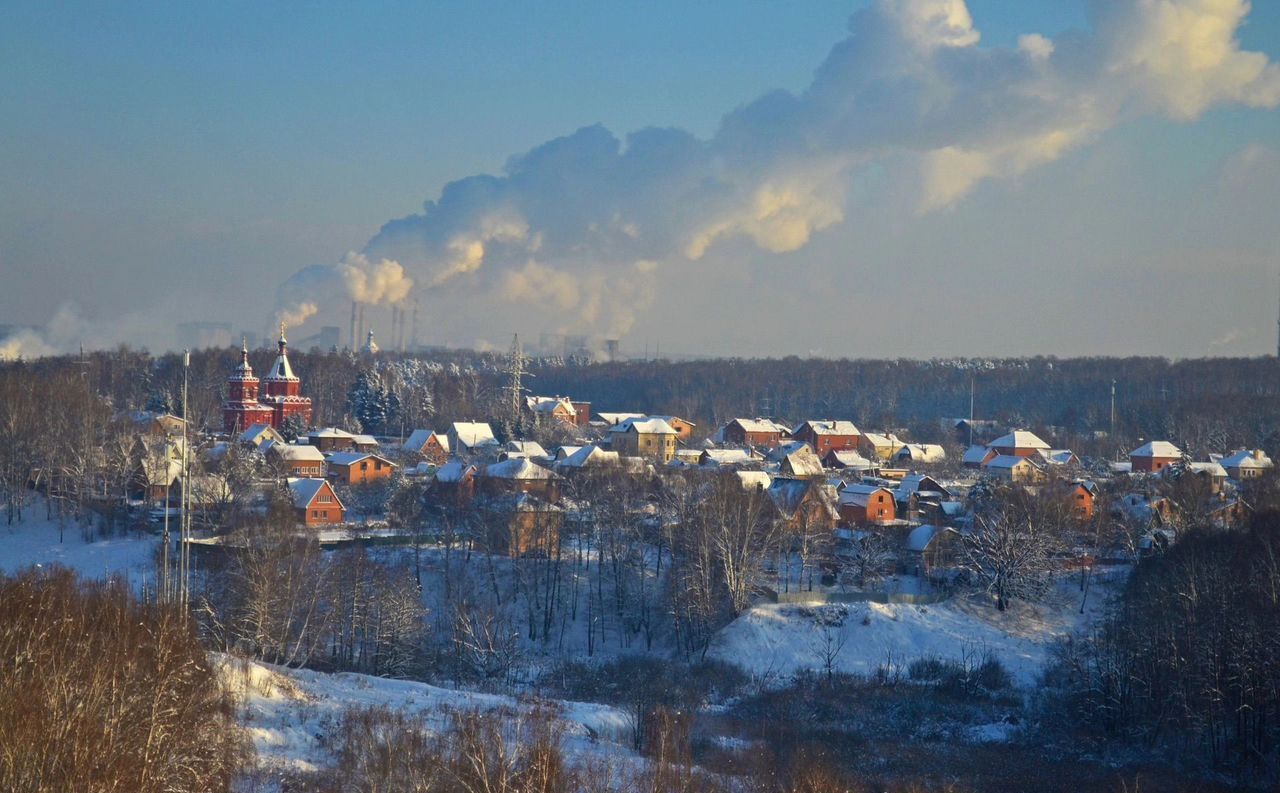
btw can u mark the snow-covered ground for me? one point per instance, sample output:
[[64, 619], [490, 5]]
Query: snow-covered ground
[[288, 712], [778, 640], [35, 541]]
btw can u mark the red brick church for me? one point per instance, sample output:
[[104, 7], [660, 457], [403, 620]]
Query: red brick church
[[279, 398]]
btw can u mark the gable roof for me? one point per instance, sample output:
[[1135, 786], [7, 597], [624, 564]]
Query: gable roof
[[472, 434], [518, 468], [827, 427], [589, 455], [644, 426], [330, 432], [349, 458], [454, 470], [618, 418], [1156, 449], [759, 425], [803, 462], [257, 433], [849, 458], [789, 494], [975, 454], [304, 491], [1009, 461], [922, 452], [548, 405], [417, 440], [295, 453], [1247, 458], [1019, 439]]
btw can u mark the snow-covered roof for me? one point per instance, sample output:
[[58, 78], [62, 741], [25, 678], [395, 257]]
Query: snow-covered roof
[[472, 434], [1057, 456], [849, 458], [672, 419], [454, 470], [1210, 468], [920, 537], [303, 453], [546, 404], [920, 483], [348, 458], [257, 433], [828, 427], [780, 452], [566, 451], [752, 480], [1247, 458], [726, 456], [803, 462], [304, 491], [788, 494], [645, 426], [1019, 439], [527, 448], [617, 418], [760, 425], [331, 432], [1008, 461], [922, 452], [589, 455], [417, 440], [878, 439], [974, 455], [518, 468], [1156, 449]]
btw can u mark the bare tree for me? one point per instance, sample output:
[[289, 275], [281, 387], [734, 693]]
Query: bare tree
[[1009, 556]]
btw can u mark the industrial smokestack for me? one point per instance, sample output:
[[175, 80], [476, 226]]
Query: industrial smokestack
[[353, 326], [611, 348], [360, 327], [413, 336]]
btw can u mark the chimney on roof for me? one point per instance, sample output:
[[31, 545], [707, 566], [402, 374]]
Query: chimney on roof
[[1257, 454]]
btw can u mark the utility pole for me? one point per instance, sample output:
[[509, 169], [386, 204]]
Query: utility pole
[[971, 379], [1113, 411], [185, 518]]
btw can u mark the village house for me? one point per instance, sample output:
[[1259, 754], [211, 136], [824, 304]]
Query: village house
[[589, 456], [684, 429], [260, 435], [1154, 456], [298, 461], [1019, 443], [529, 449], [919, 499], [867, 505], [315, 502], [454, 484], [358, 468], [878, 446], [614, 419], [803, 505], [1246, 464], [518, 475], [922, 453], [555, 408], [157, 425], [1079, 496], [469, 438], [756, 432], [332, 439], [931, 551], [977, 456], [1210, 472], [827, 435], [650, 438], [847, 459], [1014, 468], [520, 525], [428, 445], [802, 463], [727, 458]]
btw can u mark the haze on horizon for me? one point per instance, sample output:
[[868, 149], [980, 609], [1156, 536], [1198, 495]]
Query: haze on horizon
[[896, 178]]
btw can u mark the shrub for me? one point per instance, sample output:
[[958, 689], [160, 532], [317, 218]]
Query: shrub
[[99, 691]]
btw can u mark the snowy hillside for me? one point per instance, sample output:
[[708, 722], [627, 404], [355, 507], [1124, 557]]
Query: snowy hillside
[[778, 640], [288, 712], [38, 540]]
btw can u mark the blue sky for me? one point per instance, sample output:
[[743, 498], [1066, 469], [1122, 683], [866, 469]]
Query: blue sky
[[149, 152]]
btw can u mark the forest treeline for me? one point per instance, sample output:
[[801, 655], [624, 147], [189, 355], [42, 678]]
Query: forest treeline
[[1208, 404]]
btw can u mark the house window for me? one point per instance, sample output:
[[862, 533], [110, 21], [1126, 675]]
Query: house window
[[364, 466], [315, 513]]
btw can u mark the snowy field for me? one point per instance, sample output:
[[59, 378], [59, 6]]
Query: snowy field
[[35, 541], [288, 712], [775, 641]]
